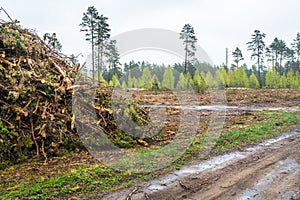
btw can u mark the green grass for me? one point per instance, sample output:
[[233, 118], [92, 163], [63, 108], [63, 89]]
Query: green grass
[[100, 179], [275, 124], [81, 180]]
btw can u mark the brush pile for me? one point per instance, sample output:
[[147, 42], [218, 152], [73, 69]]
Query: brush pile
[[36, 85], [35, 81]]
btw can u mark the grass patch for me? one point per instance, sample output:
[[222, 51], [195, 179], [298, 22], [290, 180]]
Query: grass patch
[[273, 124]]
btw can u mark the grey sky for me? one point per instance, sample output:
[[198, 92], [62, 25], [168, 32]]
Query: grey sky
[[218, 23]]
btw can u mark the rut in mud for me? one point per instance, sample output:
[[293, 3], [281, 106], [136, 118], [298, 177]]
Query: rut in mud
[[270, 170]]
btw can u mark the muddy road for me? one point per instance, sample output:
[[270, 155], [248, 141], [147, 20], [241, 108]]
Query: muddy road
[[270, 170]]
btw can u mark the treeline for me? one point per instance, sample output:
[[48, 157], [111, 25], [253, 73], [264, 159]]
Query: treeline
[[153, 76]]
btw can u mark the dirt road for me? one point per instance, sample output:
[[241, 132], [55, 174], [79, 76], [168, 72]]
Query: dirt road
[[270, 170]]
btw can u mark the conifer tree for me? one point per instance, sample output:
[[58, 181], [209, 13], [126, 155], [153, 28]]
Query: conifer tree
[[198, 83], [253, 82], [290, 79], [102, 35], [238, 56], [182, 82], [115, 81], [146, 79], [89, 23], [187, 34], [257, 46], [168, 79]]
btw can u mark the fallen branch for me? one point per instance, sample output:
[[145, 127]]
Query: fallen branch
[[34, 140], [15, 108]]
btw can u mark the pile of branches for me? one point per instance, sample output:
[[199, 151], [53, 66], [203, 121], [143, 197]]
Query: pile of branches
[[36, 86], [35, 82]]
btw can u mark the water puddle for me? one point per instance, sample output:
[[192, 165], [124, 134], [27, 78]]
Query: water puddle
[[218, 162], [195, 107]]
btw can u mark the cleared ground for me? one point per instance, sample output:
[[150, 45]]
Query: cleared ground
[[270, 170]]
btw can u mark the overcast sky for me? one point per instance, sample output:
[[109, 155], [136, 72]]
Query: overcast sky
[[218, 23]]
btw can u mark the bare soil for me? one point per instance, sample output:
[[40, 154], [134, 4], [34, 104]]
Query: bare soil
[[267, 171]]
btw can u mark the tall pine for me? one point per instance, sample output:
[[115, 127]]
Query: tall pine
[[89, 25]]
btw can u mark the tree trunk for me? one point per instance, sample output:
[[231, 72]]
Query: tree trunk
[[99, 62], [185, 59], [93, 57]]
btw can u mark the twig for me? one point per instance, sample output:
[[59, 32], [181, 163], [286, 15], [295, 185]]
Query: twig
[[43, 116], [37, 105], [129, 196], [10, 124], [3, 87], [43, 151], [105, 124], [6, 13], [146, 196], [2, 60], [34, 140], [183, 185], [15, 108]]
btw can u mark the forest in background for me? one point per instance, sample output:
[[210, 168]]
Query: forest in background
[[277, 64]]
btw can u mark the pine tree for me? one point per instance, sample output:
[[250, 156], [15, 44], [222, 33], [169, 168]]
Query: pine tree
[[52, 41], [209, 80], [257, 46], [182, 82], [129, 81], [218, 81], [238, 56], [241, 78], [297, 80], [146, 79], [253, 82], [290, 79], [281, 52], [124, 86], [89, 22], [168, 79], [187, 34], [113, 57], [231, 78], [223, 76], [296, 47], [155, 84], [103, 82], [135, 82], [102, 35], [282, 82], [272, 52], [198, 83], [272, 78], [114, 81]]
